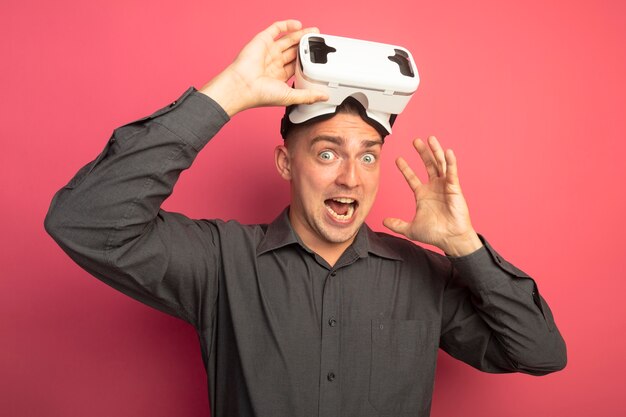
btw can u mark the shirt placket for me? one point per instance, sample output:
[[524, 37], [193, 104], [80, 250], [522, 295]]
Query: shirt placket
[[330, 378]]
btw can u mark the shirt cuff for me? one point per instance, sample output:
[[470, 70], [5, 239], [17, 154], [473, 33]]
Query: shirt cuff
[[194, 117], [484, 268]]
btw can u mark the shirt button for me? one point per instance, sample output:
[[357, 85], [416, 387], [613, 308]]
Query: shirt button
[[332, 322], [332, 274], [331, 376]]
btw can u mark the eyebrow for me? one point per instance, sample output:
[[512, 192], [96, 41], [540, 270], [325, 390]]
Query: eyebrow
[[338, 140]]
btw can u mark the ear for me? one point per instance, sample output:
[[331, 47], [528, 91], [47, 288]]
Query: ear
[[282, 159]]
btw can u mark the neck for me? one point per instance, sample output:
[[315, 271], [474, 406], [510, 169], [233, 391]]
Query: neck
[[329, 251]]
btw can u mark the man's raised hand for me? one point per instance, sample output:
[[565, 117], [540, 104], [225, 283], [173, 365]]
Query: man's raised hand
[[441, 215], [257, 77]]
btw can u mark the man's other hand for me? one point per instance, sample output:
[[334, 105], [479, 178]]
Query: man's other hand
[[441, 216], [258, 76]]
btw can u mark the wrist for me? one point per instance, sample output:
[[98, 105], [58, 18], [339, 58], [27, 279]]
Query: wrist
[[226, 90], [462, 245]]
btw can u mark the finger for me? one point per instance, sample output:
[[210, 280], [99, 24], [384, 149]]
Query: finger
[[396, 225], [282, 26], [293, 38], [290, 70], [438, 153], [427, 158], [408, 174], [290, 55], [452, 175], [304, 96]]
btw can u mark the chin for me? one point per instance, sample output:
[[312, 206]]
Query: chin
[[343, 235]]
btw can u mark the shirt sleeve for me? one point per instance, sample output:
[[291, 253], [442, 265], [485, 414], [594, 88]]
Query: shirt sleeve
[[108, 217], [495, 320]]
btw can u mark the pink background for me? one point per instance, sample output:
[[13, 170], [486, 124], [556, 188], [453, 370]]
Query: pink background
[[531, 96]]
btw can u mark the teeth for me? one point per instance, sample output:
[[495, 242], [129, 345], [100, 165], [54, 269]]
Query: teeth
[[346, 216], [344, 200]]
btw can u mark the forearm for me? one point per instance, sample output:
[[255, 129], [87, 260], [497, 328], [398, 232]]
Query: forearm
[[229, 91], [113, 199], [462, 245], [513, 319]]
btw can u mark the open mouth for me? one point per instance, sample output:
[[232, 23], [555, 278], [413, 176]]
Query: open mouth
[[341, 208]]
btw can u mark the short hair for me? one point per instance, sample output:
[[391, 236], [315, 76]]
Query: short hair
[[349, 106]]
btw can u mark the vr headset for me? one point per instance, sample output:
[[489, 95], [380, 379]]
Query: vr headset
[[381, 77]]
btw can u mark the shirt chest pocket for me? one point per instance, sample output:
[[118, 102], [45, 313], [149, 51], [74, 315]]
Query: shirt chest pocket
[[402, 367]]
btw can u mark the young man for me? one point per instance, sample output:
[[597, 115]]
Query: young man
[[313, 314]]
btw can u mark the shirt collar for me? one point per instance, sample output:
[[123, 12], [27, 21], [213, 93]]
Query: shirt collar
[[279, 234]]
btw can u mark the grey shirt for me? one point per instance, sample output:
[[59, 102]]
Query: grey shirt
[[283, 333]]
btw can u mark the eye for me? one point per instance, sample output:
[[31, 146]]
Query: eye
[[327, 155], [368, 158]]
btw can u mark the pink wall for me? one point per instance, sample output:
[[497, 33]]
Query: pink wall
[[531, 97]]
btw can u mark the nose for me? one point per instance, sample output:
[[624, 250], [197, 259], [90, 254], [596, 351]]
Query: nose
[[348, 175]]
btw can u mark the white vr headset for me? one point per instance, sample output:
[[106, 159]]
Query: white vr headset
[[381, 77]]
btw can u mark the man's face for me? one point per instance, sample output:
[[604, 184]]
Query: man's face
[[334, 171]]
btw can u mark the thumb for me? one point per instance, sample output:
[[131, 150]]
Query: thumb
[[396, 225], [305, 96]]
